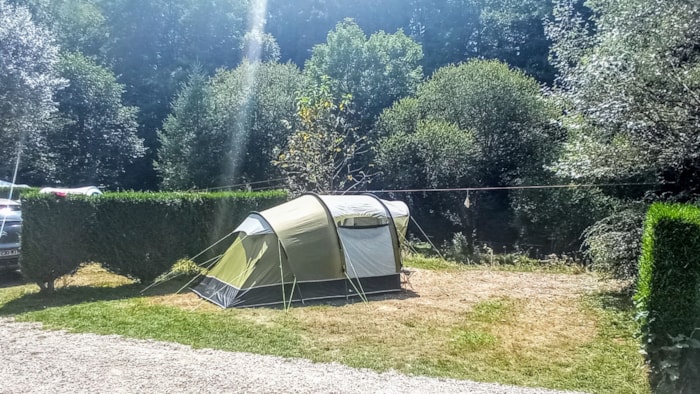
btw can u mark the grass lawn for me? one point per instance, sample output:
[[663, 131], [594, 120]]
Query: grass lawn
[[553, 329]]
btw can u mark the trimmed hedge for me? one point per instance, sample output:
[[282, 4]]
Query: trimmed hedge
[[17, 192], [139, 235], [667, 297]]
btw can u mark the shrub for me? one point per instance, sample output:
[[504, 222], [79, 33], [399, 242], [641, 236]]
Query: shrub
[[613, 243], [53, 237], [139, 235], [667, 296]]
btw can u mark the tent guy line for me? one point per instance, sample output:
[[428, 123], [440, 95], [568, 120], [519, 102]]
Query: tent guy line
[[485, 188]]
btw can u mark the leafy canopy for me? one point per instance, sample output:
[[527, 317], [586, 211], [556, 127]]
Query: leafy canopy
[[28, 80], [375, 71]]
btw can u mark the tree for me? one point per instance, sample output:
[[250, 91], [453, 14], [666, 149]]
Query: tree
[[28, 81], [375, 71], [224, 131], [301, 24], [632, 89], [432, 153], [630, 82], [77, 25], [260, 47], [322, 154], [152, 46], [511, 138], [184, 157], [93, 138], [453, 31]]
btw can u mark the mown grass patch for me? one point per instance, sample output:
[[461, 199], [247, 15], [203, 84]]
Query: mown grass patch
[[550, 330], [500, 263]]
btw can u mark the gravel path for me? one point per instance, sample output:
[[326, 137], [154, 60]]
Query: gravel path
[[39, 361]]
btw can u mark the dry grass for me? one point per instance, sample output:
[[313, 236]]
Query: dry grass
[[539, 318], [526, 328], [92, 274]]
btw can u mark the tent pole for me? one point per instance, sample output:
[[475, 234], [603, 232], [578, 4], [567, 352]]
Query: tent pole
[[284, 294], [213, 261], [359, 293], [359, 283], [159, 282], [291, 295], [193, 279]]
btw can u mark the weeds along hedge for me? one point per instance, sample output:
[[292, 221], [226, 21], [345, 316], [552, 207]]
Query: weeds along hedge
[[667, 297], [139, 235]]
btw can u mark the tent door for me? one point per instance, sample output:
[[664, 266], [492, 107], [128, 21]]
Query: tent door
[[368, 251]]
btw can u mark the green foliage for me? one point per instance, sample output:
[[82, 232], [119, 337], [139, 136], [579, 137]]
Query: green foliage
[[93, 139], [506, 111], [553, 220], [223, 130], [55, 237], [255, 107], [184, 160], [139, 235], [452, 31], [375, 71], [614, 242], [260, 47], [28, 80], [437, 154], [16, 192], [667, 296], [78, 25], [630, 77], [187, 267], [475, 124], [153, 46], [323, 154]]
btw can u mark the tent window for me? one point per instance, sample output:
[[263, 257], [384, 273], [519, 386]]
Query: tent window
[[362, 221]]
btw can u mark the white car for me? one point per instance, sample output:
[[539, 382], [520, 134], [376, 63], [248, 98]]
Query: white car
[[63, 191], [10, 229], [6, 184]]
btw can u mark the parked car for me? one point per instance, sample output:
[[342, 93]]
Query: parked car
[[10, 228], [6, 184], [64, 191]]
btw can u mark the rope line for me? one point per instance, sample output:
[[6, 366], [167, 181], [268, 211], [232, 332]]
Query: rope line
[[486, 188]]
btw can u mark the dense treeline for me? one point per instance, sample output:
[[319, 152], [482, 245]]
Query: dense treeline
[[331, 95]]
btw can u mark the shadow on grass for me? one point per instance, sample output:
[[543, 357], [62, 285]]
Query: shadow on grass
[[403, 294], [618, 300], [11, 279], [73, 295]]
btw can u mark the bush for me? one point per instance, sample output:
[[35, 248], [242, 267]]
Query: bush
[[139, 235], [54, 237], [667, 296], [613, 243]]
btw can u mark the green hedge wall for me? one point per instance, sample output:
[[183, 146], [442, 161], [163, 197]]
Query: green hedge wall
[[16, 192], [668, 298], [139, 235]]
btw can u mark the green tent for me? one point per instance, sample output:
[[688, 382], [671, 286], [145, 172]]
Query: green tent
[[313, 247]]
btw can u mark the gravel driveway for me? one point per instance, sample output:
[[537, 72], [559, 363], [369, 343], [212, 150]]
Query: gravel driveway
[[39, 361]]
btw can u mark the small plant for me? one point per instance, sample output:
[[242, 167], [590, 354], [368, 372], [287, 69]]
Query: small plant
[[458, 248], [187, 267]]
